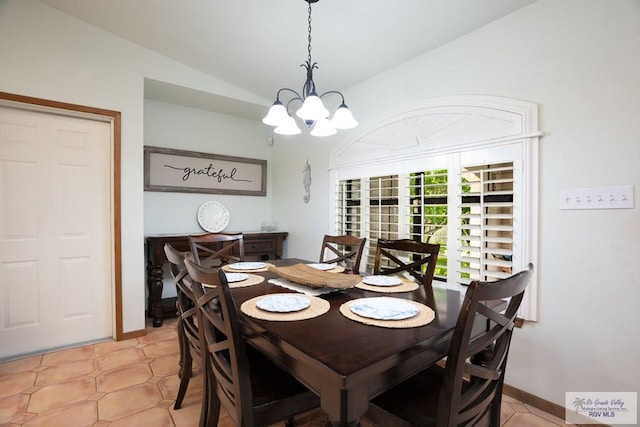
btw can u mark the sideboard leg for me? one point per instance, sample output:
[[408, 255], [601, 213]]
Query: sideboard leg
[[155, 295]]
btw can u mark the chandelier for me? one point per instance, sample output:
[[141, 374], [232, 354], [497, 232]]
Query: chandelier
[[312, 112]]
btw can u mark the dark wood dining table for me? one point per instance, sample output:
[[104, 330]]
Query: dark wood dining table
[[345, 362]]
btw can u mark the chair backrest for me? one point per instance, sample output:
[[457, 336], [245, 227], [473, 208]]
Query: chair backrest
[[186, 300], [398, 256], [215, 249], [224, 351], [480, 356], [345, 249], [176, 262]]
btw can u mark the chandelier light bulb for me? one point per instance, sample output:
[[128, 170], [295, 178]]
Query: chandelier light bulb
[[343, 119], [323, 127], [288, 127], [276, 115], [312, 109]]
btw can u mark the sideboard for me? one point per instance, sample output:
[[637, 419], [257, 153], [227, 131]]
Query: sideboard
[[257, 245]]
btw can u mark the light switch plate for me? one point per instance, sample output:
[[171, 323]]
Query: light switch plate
[[598, 198]]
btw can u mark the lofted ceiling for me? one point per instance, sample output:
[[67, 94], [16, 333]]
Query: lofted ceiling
[[258, 45]]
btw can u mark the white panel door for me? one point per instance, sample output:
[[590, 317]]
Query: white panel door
[[55, 246]]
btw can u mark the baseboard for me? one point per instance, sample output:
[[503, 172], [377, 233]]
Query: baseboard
[[132, 334], [539, 403]]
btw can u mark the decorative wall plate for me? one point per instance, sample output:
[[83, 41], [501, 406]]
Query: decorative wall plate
[[213, 216]]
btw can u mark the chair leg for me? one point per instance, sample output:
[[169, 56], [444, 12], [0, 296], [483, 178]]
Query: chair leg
[[496, 405], [181, 345], [186, 371], [210, 403]]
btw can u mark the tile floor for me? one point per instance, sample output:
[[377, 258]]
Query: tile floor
[[134, 383]]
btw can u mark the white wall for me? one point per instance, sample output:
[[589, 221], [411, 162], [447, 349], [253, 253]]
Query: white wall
[[174, 126], [47, 54], [306, 223], [579, 60]]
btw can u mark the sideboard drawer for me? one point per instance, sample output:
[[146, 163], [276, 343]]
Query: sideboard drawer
[[252, 247]]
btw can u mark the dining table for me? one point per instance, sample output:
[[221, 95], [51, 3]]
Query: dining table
[[345, 362]]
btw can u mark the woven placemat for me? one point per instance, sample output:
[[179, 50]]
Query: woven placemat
[[253, 279], [405, 286], [255, 270], [317, 308], [424, 317]]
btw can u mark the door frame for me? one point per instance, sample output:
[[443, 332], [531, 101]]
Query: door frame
[[114, 118]]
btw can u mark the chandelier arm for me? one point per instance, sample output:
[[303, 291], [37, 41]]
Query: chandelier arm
[[293, 99], [330, 92], [297, 95]]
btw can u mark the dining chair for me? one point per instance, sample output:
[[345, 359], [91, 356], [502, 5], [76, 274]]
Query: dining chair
[[215, 249], [345, 249], [187, 325], [253, 390], [415, 258], [468, 389]]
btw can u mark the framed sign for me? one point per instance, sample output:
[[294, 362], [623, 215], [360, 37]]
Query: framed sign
[[166, 169]]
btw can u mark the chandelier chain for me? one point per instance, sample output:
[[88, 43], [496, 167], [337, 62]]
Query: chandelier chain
[[309, 37]]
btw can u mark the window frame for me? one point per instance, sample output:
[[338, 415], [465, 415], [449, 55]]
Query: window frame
[[479, 129]]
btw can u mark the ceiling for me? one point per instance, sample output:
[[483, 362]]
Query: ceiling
[[258, 45]]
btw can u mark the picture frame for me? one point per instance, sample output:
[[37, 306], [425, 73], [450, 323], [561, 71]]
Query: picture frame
[[183, 171]]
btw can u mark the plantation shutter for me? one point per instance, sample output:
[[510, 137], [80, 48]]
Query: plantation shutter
[[382, 216], [428, 212], [486, 222], [348, 207]]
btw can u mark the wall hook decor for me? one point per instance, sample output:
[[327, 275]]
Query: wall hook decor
[[306, 181]]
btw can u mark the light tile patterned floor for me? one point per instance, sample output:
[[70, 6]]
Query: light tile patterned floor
[[134, 383]]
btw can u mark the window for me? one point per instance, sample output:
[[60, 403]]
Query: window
[[458, 171], [476, 212]]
